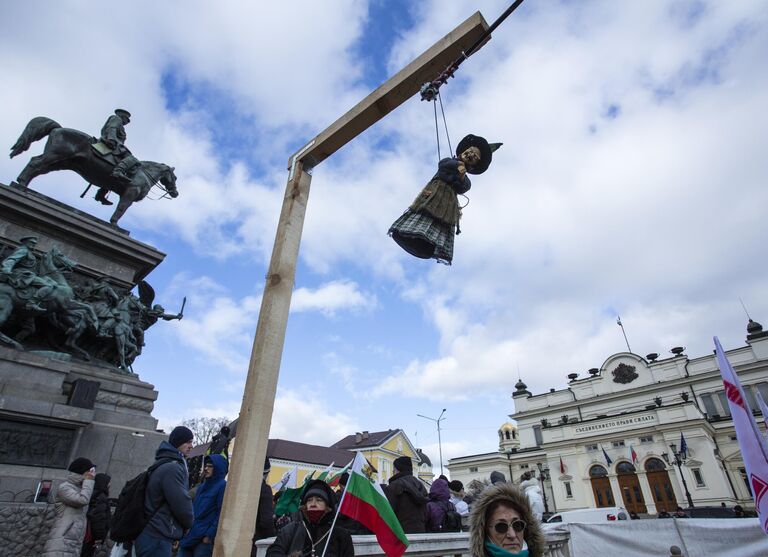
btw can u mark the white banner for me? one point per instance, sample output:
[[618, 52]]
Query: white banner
[[696, 537]]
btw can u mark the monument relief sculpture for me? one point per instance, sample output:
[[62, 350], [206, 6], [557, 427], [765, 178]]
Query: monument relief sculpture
[[105, 161], [93, 320]]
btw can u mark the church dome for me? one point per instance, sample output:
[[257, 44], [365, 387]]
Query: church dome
[[507, 426], [423, 459]]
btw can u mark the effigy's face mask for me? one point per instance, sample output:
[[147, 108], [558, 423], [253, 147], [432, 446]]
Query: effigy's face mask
[[471, 156]]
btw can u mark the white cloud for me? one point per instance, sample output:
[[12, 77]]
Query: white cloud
[[631, 180], [220, 327], [331, 297], [304, 417]]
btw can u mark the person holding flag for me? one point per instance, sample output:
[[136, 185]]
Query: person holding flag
[[315, 534], [364, 500]]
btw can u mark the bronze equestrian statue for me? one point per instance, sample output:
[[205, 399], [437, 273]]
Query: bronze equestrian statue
[[106, 163]]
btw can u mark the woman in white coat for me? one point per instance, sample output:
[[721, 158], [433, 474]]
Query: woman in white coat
[[530, 487], [66, 537]]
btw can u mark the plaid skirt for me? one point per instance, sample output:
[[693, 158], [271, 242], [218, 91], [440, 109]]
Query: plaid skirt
[[422, 235]]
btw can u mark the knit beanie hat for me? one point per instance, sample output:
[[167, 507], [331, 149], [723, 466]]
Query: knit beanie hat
[[180, 435], [403, 464], [80, 465], [317, 488], [455, 486]]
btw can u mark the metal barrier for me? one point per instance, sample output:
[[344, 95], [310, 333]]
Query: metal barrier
[[437, 545]]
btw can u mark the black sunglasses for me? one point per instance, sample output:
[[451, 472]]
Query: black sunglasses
[[503, 527]]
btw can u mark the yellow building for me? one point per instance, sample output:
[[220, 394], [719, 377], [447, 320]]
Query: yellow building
[[381, 448], [284, 456]]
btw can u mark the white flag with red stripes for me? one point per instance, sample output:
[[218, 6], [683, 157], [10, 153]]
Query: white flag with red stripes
[[754, 449]]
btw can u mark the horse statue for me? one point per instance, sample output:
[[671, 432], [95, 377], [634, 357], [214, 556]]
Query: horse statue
[[68, 149], [66, 313]]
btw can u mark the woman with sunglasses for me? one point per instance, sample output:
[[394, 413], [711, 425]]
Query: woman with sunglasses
[[503, 525]]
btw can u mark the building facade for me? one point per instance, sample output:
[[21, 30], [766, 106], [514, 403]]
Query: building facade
[[381, 448], [610, 438]]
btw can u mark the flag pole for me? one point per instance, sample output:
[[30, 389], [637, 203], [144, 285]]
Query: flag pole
[[333, 524], [619, 323]]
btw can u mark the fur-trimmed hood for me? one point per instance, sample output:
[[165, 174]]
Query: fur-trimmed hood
[[534, 535]]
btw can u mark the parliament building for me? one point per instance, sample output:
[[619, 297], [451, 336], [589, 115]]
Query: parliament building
[[646, 433]]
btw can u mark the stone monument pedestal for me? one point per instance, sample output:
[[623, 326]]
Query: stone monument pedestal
[[53, 406]]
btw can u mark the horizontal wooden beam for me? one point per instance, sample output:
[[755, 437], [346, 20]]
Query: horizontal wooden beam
[[394, 92]]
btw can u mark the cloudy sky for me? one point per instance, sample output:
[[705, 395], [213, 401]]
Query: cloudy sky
[[632, 182]]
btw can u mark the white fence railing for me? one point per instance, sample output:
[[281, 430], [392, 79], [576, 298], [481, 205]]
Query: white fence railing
[[437, 545]]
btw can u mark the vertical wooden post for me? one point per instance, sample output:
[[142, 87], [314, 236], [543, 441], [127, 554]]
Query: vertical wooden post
[[241, 499], [238, 516]]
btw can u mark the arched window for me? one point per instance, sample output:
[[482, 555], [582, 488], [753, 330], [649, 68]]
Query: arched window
[[597, 471], [514, 434], [654, 464], [625, 468], [506, 434]]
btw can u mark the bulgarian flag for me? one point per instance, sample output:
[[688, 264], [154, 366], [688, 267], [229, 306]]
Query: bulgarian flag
[[632, 454], [334, 480], [290, 500], [324, 473], [364, 500]]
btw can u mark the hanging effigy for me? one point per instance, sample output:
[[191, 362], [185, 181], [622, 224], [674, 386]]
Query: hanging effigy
[[427, 228]]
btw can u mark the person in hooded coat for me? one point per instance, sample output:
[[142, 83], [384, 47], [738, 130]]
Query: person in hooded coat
[[198, 542], [530, 487], [502, 524], [408, 497], [72, 497], [309, 536], [98, 515], [439, 504]]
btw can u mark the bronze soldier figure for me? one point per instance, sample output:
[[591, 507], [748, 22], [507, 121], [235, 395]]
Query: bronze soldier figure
[[113, 136], [20, 269]]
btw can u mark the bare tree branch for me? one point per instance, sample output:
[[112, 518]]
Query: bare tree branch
[[205, 428]]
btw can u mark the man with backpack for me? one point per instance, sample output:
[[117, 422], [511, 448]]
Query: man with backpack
[[167, 504]]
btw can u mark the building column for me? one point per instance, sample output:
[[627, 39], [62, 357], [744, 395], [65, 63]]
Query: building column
[[645, 488], [616, 489]]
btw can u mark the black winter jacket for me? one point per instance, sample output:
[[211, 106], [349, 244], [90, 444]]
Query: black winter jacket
[[265, 516], [408, 498], [293, 539], [167, 500], [98, 509]]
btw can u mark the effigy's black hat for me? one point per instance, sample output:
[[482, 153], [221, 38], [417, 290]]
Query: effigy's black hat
[[486, 152], [122, 112]]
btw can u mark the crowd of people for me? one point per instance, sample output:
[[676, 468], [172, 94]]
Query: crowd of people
[[181, 521], [504, 519]]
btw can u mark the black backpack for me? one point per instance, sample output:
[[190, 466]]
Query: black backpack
[[451, 519], [129, 519]]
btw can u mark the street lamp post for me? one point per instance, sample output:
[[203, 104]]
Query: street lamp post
[[679, 459], [509, 453], [542, 472], [439, 440]]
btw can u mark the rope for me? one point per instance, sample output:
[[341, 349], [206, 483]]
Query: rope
[[445, 122], [432, 89], [437, 135]]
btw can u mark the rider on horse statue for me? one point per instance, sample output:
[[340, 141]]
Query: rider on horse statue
[[113, 136], [20, 270]]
